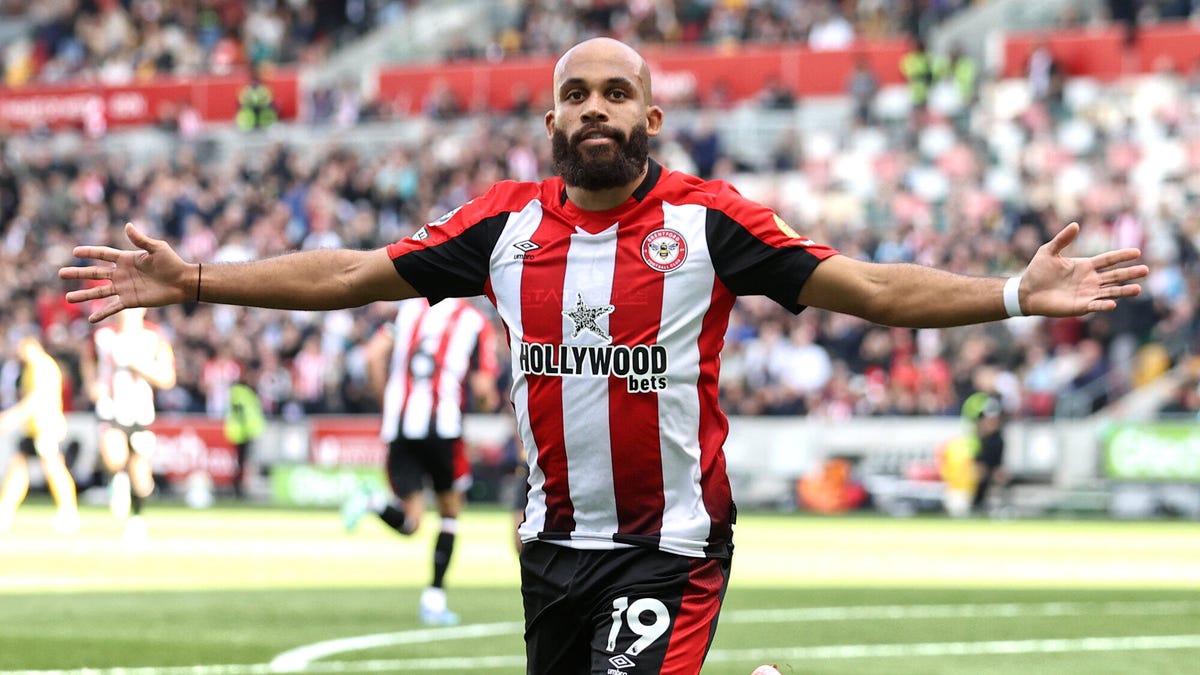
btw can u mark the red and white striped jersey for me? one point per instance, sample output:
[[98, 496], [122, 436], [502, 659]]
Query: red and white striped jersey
[[126, 397], [616, 321], [433, 351]]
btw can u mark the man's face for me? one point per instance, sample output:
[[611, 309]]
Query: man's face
[[602, 121]]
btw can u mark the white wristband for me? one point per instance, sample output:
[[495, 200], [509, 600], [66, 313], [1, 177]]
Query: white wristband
[[1012, 296]]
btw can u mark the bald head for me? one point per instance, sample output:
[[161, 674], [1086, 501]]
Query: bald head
[[614, 56]]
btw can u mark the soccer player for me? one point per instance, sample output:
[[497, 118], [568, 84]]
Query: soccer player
[[984, 414], [428, 358], [41, 411], [244, 423], [615, 281], [129, 361]]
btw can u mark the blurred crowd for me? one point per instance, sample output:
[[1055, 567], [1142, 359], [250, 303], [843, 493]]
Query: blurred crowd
[[121, 41], [967, 174], [548, 27]]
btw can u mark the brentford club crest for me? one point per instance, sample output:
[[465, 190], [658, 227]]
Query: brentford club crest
[[664, 250]]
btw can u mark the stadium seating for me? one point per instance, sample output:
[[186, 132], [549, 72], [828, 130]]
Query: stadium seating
[[973, 189]]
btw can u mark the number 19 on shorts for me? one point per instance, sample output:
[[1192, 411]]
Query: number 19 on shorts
[[647, 618]]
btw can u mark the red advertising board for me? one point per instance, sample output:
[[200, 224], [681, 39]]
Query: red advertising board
[[214, 98], [190, 444], [346, 441], [1099, 53], [679, 73]]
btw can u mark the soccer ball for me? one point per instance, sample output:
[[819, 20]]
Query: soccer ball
[[766, 670]]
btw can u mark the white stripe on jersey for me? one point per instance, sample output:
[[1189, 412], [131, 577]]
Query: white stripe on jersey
[[506, 283], [685, 519], [591, 266]]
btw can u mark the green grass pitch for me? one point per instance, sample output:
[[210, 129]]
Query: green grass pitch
[[242, 591]]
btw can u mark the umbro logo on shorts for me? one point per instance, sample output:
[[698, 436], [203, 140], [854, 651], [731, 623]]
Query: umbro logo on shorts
[[621, 661]]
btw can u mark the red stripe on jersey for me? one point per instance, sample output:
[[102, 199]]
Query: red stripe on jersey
[[696, 622], [634, 431], [714, 427], [541, 293]]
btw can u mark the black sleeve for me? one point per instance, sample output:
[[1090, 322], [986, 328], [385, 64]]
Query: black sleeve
[[454, 267], [749, 266]]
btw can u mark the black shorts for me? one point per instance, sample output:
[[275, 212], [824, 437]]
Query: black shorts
[[443, 460], [26, 446], [635, 611]]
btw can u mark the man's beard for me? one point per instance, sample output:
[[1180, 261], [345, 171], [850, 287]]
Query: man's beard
[[594, 169]]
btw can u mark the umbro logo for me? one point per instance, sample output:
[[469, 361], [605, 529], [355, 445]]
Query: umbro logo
[[525, 247], [622, 661]]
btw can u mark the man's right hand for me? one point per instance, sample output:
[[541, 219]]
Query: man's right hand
[[152, 275]]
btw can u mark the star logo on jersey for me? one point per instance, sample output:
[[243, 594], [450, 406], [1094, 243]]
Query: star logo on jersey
[[585, 317]]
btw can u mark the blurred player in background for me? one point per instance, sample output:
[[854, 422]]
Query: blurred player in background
[[984, 414], [41, 411], [244, 423], [421, 367], [129, 361], [615, 281]]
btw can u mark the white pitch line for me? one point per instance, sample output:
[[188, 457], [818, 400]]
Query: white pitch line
[[298, 659], [305, 658], [826, 653]]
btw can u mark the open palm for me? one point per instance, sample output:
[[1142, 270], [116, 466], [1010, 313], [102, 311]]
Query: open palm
[[1055, 285], [152, 275]]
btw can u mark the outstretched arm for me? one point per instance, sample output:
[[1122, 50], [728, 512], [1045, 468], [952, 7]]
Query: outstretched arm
[[919, 297], [154, 275]]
